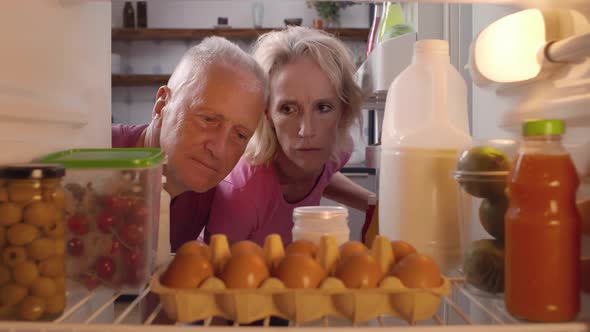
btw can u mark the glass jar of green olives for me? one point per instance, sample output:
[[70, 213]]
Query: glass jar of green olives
[[32, 246]]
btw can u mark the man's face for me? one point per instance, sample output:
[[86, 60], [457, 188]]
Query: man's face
[[207, 124]]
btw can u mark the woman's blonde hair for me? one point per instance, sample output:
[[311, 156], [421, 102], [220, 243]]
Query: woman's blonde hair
[[278, 48]]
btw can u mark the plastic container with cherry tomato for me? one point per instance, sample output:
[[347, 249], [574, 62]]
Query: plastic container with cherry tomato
[[111, 202]]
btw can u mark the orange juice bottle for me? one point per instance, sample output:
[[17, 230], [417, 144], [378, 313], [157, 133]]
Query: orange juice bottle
[[543, 228]]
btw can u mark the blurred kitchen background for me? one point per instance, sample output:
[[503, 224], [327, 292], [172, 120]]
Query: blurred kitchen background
[[149, 37], [143, 58]]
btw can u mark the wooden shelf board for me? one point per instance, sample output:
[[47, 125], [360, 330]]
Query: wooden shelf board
[[171, 34], [138, 79], [194, 34]]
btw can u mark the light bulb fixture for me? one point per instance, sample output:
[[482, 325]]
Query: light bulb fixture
[[527, 45]]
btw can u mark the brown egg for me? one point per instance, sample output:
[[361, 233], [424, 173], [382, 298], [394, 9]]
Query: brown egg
[[245, 246], [304, 247], [300, 271], [401, 249], [352, 248], [187, 271], [359, 271], [418, 271], [246, 270], [194, 247]]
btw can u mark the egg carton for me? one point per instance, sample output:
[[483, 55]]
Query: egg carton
[[272, 298]]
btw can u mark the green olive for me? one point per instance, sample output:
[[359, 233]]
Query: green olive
[[55, 230], [26, 273], [59, 247], [21, 234], [24, 191], [42, 248], [10, 213], [3, 194], [32, 308], [55, 304], [7, 312], [60, 284], [55, 196], [40, 214], [2, 236], [52, 267], [4, 275], [13, 256], [12, 293], [44, 287]]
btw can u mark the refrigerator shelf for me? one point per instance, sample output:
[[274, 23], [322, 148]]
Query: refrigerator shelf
[[106, 310]]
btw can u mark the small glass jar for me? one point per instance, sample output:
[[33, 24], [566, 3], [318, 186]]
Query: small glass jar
[[313, 222], [32, 242]]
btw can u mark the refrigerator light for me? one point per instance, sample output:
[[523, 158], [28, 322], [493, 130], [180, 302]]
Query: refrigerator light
[[506, 51]]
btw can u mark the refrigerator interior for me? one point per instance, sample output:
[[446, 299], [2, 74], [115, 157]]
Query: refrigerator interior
[[55, 85]]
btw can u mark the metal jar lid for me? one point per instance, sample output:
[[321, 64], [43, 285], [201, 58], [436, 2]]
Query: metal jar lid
[[32, 171]]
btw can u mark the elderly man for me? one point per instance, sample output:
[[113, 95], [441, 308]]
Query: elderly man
[[202, 119]]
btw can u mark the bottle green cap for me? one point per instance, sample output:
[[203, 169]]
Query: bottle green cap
[[106, 158], [543, 127]]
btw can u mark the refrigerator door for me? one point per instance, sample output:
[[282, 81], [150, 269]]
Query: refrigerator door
[[55, 88]]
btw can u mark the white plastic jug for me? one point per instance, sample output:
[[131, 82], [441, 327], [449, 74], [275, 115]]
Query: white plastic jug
[[424, 127]]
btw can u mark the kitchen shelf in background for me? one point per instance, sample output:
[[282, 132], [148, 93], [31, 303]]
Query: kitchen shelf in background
[[138, 79], [189, 34]]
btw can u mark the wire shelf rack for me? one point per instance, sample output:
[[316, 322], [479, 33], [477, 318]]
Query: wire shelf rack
[[106, 310]]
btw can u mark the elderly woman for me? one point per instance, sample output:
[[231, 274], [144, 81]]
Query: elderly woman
[[298, 149]]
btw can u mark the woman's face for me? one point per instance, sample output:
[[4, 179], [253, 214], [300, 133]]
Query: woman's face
[[305, 112]]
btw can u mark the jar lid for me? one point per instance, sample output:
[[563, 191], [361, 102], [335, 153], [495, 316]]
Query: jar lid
[[320, 212], [543, 127], [32, 171]]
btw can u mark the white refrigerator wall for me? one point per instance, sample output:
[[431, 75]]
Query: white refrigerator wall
[[55, 90], [487, 109]]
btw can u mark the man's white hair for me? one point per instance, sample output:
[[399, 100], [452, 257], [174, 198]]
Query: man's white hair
[[215, 50]]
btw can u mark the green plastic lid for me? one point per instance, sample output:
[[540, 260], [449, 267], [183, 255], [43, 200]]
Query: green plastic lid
[[106, 158], [543, 127]]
